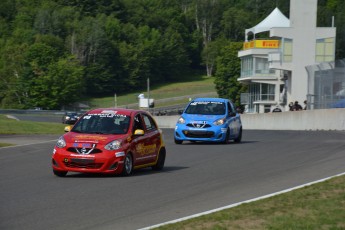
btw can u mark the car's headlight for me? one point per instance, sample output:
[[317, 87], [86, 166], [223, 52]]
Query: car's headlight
[[220, 121], [181, 120], [67, 118], [61, 143], [113, 145]]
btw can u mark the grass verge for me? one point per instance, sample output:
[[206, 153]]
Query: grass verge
[[5, 144], [191, 85], [318, 206], [11, 126]]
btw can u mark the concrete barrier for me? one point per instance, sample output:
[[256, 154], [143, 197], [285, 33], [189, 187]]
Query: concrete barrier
[[321, 119]]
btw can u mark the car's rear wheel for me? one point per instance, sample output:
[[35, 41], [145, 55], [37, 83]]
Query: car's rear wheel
[[160, 162], [59, 173], [178, 142], [239, 138], [127, 165]]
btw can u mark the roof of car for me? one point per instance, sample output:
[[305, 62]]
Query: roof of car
[[127, 112], [211, 99]]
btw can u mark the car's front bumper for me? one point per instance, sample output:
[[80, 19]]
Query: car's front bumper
[[214, 133], [108, 163]]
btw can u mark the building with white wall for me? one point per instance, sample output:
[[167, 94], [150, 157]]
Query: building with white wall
[[274, 68]]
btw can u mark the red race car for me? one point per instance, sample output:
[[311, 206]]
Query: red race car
[[111, 141]]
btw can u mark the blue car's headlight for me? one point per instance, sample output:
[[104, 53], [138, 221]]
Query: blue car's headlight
[[220, 121], [181, 120]]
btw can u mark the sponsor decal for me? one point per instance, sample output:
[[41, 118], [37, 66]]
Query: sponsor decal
[[109, 111], [89, 138], [104, 113], [120, 154], [205, 102], [82, 145], [142, 149], [78, 155]]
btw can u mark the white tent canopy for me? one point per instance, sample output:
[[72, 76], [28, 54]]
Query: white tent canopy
[[275, 19]]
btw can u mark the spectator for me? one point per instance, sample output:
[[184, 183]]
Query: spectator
[[291, 105], [305, 105], [296, 107]]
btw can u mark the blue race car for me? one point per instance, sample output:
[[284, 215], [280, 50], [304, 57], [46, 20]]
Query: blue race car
[[209, 119]]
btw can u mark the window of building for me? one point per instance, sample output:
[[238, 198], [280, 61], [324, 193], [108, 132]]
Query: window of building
[[246, 66], [324, 50], [267, 92], [287, 50], [261, 92], [262, 66]]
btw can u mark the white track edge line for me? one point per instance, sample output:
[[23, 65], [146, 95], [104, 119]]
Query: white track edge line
[[239, 203], [13, 146]]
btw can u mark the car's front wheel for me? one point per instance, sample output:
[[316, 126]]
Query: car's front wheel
[[160, 162], [59, 173], [239, 137], [178, 142], [127, 165], [227, 136]]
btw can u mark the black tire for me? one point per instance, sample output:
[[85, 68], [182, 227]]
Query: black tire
[[227, 140], [59, 173], [127, 165], [178, 142], [161, 160], [239, 138]]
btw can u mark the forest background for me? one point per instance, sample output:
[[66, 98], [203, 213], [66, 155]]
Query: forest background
[[57, 52]]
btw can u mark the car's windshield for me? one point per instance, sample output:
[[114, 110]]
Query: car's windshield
[[206, 108], [102, 123]]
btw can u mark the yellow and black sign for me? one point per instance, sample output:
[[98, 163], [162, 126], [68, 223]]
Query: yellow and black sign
[[261, 44]]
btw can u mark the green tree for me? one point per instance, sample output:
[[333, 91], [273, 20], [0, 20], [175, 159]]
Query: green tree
[[233, 21], [12, 70], [60, 85]]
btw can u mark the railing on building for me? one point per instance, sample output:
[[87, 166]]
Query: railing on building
[[326, 85]]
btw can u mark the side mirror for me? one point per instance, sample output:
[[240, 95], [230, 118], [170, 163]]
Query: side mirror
[[232, 114], [68, 128], [139, 132]]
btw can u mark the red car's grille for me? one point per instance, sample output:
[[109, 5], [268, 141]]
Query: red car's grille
[[80, 150], [83, 163]]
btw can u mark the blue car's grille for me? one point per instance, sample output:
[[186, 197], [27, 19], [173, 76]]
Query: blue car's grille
[[198, 133], [198, 125]]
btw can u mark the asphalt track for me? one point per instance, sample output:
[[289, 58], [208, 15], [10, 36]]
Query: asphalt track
[[197, 178]]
